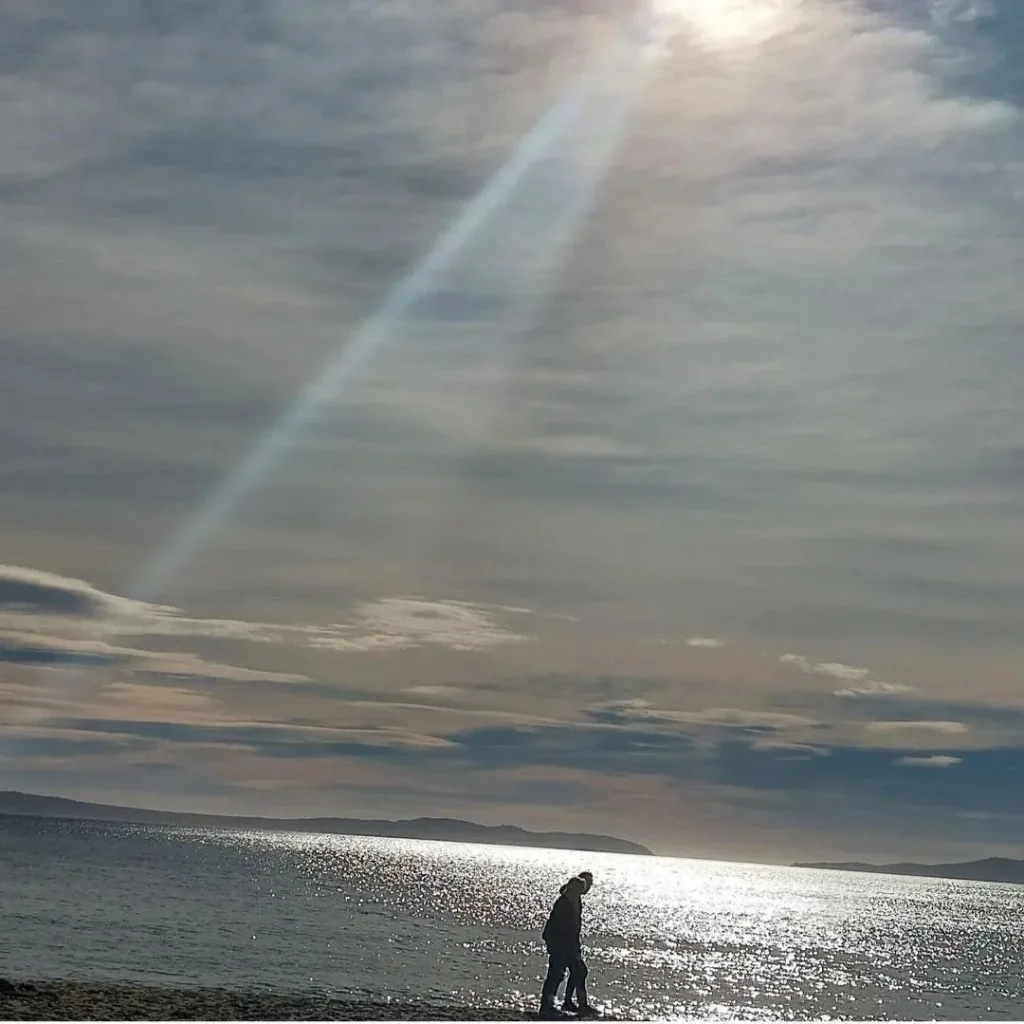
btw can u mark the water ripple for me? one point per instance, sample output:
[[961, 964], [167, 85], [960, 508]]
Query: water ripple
[[336, 915]]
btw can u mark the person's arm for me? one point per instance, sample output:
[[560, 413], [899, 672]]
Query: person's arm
[[558, 932]]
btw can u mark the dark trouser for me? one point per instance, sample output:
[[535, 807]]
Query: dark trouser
[[560, 961], [577, 980]]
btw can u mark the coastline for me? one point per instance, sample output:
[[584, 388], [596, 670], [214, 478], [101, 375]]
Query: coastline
[[78, 1000], [446, 830]]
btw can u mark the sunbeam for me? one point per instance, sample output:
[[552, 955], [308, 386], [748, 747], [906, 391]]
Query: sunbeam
[[516, 230], [512, 238]]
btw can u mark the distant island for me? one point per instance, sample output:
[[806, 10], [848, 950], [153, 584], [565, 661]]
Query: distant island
[[439, 829], [991, 869]]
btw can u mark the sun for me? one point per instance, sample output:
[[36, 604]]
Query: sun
[[722, 23]]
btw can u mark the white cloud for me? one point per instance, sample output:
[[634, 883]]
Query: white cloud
[[44, 602], [932, 761], [825, 668], [874, 688], [865, 686], [787, 747], [941, 728], [802, 663], [32, 600], [406, 622], [435, 691], [741, 719], [190, 666], [26, 592], [707, 642], [839, 671], [627, 704]]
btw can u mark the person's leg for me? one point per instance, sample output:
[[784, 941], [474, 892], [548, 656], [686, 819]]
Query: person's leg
[[578, 977], [569, 1005], [577, 985], [558, 963]]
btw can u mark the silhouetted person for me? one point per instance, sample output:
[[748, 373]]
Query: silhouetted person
[[577, 984], [562, 937]]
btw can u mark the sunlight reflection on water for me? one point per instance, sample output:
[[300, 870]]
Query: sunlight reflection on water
[[461, 923]]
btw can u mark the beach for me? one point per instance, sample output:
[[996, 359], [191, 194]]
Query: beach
[[75, 1000]]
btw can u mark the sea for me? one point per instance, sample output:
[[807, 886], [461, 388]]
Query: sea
[[456, 924]]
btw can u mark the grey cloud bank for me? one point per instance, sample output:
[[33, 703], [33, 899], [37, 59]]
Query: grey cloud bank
[[774, 400]]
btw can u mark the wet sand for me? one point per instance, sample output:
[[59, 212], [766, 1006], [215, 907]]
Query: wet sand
[[73, 1000]]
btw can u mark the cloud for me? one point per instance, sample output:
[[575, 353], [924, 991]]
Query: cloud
[[408, 622], [386, 624], [932, 761], [825, 668], [844, 774], [693, 641], [760, 413], [938, 727], [191, 666], [74, 748], [785, 747], [874, 688], [35, 600], [840, 671], [864, 685], [738, 718], [31, 592], [41, 651], [193, 724], [724, 718], [160, 702], [436, 691]]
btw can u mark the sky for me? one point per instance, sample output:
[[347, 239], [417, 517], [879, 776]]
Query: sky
[[683, 503]]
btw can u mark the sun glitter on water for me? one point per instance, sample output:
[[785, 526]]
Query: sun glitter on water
[[723, 23]]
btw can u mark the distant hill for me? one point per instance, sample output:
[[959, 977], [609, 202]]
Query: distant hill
[[441, 829], [991, 869]]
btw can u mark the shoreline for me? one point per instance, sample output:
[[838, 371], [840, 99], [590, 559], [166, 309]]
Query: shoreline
[[82, 1000]]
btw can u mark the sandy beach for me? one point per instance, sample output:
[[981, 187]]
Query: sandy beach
[[73, 1000]]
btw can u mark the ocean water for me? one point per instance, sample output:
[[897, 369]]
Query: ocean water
[[460, 924]]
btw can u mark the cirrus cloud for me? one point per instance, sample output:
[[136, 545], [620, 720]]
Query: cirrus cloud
[[32, 592], [34, 601], [34, 650], [939, 727], [931, 761], [860, 678], [638, 710]]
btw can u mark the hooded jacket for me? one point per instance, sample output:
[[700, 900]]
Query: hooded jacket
[[562, 931]]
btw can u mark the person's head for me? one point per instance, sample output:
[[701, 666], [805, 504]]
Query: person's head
[[574, 887], [587, 879]]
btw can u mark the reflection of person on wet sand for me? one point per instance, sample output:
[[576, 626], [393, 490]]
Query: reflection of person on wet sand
[[562, 937]]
